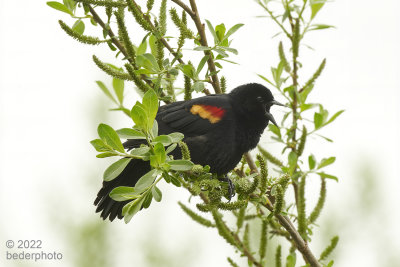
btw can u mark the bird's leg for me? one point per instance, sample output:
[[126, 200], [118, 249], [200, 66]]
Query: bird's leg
[[231, 186]]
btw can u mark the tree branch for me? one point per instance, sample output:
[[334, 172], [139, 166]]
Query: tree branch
[[245, 251], [203, 42], [184, 7], [300, 244], [110, 33], [162, 40]]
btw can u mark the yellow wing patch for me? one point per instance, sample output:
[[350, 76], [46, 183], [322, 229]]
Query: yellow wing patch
[[211, 113]]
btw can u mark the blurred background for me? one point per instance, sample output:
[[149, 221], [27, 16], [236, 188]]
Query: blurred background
[[50, 107]]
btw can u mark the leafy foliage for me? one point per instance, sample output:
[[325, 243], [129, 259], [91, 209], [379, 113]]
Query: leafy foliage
[[155, 64]]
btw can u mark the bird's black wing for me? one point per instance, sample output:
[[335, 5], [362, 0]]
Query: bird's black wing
[[195, 117]]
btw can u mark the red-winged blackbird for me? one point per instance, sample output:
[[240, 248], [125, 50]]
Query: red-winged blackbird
[[218, 129]]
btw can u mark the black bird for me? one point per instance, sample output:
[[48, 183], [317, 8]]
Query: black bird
[[218, 129]]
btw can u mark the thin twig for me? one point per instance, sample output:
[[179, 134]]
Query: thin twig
[[110, 33], [203, 42], [163, 41], [245, 250], [251, 163], [274, 18], [300, 244], [298, 241], [184, 7]]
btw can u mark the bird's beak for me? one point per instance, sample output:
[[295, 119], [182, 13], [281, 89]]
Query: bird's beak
[[274, 102], [269, 115], [270, 118]]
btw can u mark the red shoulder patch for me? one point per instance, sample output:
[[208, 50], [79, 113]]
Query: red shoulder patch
[[212, 113]]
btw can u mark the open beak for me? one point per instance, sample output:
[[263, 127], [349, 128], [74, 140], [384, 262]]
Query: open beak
[[271, 118], [269, 115], [274, 102]]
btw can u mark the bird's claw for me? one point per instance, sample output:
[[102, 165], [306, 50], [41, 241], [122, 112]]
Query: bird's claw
[[231, 186]]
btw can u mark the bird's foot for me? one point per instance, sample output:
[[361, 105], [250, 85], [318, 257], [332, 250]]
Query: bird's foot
[[231, 186]]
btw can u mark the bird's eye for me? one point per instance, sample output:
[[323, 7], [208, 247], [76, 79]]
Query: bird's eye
[[260, 99]]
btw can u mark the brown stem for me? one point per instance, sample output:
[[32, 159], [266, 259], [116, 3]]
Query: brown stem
[[300, 244], [184, 7], [245, 250], [117, 43], [110, 33], [203, 42], [298, 241], [251, 163], [163, 41]]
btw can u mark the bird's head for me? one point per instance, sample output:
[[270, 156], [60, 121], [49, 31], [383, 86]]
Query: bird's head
[[254, 101]]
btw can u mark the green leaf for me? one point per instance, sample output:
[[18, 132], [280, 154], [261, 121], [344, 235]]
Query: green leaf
[[118, 86], [201, 48], [326, 138], [232, 30], [304, 94], [59, 7], [99, 145], [159, 155], [106, 155], [129, 133], [157, 195], [130, 209], [110, 137], [277, 73], [123, 193], [334, 116], [318, 120], [305, 107], [176, 137], [311, 162], [325, 162], [211, 29], [142, 47], [181, 165], [142, 152], [70, 4], [146, 180], [154, 130], [291, 260], [163, 139], [188, 70], [220, 31], [230, 49], [315, 27], [170, 148], [265, 79], [148, 197], [316, 5], [106, 91], [198, 86], [175, 181], [139, 116], [201, 64], [115, 169], [148, 61], [79, 26], [150, 102], [221, 52], [275, 130], [328, 176]]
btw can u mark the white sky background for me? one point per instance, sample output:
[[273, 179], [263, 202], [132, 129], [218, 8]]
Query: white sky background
[[47, 94]]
